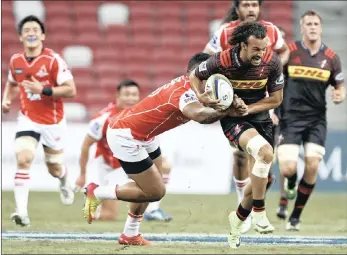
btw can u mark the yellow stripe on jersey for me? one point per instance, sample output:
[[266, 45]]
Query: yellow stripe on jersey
[[249, 84], [308, 72]]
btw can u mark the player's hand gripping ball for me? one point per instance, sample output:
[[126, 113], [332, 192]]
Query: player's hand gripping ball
[[221, 89]]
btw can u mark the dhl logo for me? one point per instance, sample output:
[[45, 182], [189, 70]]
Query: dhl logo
[[308, 72], [249, 84]]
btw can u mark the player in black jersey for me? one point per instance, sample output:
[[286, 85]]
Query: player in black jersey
[[312, 67], [253, 70]]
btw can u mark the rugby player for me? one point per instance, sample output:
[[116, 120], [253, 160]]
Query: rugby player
[[132, 139], [109, 168], [42, 78], [312, 67], [244, 10], [253, 70]]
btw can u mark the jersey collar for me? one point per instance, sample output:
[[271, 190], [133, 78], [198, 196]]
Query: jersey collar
[[322, 47]]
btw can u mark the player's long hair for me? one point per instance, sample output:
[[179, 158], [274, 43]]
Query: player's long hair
[[245, 30], [232, 14]]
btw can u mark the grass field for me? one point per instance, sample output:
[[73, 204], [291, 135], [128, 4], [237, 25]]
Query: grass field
[[325, 215]]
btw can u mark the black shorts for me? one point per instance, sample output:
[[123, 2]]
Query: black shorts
[[140, 166], [234, 127], [297, 130]]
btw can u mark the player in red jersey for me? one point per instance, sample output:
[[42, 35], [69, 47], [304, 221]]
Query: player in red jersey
[[254, 71], [109, 168], [42, 78], [132, 139], [244, 10]]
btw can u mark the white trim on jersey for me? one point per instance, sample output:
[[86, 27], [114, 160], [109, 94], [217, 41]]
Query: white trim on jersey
[[64, 73], [10, 77], [96, 126], [280, 41], [187, 98]]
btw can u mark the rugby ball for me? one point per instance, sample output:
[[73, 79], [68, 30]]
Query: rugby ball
[[221, 89]]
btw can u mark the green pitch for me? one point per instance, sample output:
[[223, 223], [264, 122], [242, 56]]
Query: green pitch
[[325, 215]]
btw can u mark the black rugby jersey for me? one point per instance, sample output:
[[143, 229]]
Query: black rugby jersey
[[307, 78], [249, 82]]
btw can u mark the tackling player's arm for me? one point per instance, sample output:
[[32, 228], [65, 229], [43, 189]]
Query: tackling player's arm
[[337, 81], [275, 89], [10, 92], [194, 110]]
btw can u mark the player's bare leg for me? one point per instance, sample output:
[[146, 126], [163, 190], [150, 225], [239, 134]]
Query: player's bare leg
[[262, 152], [240, 173], [313, 155], [108, 210], [25, 149], [54, 162], [287, 158], [153, 211]]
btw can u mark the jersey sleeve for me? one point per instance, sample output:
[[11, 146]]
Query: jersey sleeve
[[211, 66], [96, 126], [60, 70], [276, 77], [279, 41], [336, 74], [186, 98], [214, 44], [10, 78]]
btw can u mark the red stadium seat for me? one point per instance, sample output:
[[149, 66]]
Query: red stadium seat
[[93, 40], [109, 55], [58, 24], [105, 70], [145, 41], [117, 36], [167, 11], [146, 26]]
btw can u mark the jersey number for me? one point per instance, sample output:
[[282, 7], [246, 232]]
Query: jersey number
[[31, 96]]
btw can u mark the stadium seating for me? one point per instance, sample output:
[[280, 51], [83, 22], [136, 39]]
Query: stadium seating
[[106, 41]]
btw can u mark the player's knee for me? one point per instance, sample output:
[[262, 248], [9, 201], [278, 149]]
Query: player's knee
[[157, 193], [240, 158], [24, 159], [266, 154], [288, 169], [311, 166], [54, 163]]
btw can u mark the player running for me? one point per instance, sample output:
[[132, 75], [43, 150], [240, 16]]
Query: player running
[[312, 67], [109, 168], [253, 70], [242, 11], [132, 139], [42, 78]]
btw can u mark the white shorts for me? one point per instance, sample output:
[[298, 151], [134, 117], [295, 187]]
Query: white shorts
[[51, 136], [126, 148], [108, 175]]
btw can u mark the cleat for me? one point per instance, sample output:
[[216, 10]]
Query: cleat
[[261, 223], [247, 224], [269, 185], [290, 193], [90, 202], [293, 225], [234, 238], [21, 220], [67, 195], [135, 240], [282, 212], [157, 215]]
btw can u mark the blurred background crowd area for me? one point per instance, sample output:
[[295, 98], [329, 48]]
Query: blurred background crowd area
[[151, 42]]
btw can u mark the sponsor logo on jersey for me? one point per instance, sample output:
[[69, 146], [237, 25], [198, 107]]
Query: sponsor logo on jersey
[[42, 72], [249, 84], [339, 77], [18, 71], [280, 79], [308, 72], [202, 66]]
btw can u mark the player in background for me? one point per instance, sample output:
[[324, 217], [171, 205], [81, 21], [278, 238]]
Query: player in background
[[312, 67], [253, 70], [42, 78], [109, 168], [242, 11], [132, 139]]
